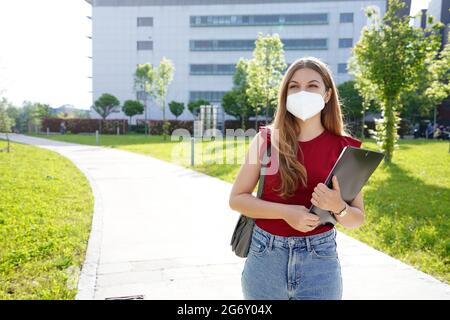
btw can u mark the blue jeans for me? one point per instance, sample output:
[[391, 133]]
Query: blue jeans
[[295, 268]]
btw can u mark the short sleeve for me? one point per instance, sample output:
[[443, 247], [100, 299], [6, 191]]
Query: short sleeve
[[353, 142]]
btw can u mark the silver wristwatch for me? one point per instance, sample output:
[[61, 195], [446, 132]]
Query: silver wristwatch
[[343, 212]]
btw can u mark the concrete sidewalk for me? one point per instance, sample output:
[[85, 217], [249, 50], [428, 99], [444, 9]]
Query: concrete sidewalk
[[163, 231]]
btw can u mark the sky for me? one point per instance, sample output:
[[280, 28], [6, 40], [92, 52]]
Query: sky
[[44, 51]]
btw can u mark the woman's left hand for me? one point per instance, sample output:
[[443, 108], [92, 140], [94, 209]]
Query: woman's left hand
[[326, 198]]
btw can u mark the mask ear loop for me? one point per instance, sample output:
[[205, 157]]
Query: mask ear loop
[[326, 90]]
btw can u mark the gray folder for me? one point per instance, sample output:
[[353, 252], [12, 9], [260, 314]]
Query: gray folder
[[353, 169]]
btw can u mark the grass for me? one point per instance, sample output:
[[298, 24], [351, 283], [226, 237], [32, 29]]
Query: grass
[[407, 206], [46, 207], [407, 203], [172, 151]]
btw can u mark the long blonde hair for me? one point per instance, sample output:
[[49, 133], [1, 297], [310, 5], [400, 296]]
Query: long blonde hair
[[292, 172]]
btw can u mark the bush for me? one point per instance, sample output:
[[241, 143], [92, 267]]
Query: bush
[[236, 124], [155, 127], [78, 125]]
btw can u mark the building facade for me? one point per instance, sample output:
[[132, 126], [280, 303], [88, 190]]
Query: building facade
[[205, 38]]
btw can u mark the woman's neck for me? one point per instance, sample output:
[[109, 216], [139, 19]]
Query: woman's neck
[[310, 129]]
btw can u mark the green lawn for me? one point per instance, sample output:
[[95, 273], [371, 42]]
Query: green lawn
[[46, 207], [155, 146], [407, 203]]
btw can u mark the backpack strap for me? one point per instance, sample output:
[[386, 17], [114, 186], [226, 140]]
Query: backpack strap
[[265, 161]]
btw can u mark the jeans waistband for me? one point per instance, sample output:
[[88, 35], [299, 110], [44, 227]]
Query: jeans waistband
[[306, 241]]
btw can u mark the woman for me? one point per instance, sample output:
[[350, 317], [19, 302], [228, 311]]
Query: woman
[[292, 255]]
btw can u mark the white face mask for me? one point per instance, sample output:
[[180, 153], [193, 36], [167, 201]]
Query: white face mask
[[304, 104]]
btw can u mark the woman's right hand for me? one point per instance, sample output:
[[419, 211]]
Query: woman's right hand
[[299, 218]]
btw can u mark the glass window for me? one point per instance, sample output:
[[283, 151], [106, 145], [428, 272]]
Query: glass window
[[201, 44], [145, 45], [235, 45], [225, 68], [345, 43], [201, 68], [309, 18], [211, 96], [346, 17], [212, 69], [248, 45], [342, 68], [144, 21], [141, 95], [305, 44], [267, 19]]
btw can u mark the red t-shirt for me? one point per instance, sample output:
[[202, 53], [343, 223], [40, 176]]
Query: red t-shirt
[[320, 154]]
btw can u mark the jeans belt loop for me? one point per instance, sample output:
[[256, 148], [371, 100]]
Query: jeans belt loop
[[271, 242], [308, 244]]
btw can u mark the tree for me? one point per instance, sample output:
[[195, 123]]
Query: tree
[[352, 102], [82, 114], [265, 72], [236, 101], [390, 57], [230, 104], [6, 123], [432, 88], [365, 89], [43, 111], [164, 76], [132, 108], [144, 81], [12, 111], [439, 78], [194, 106], [105, 105], [176, 108], [29, 120]]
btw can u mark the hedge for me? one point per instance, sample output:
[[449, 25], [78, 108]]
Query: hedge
[[155, 126], [76, 125]]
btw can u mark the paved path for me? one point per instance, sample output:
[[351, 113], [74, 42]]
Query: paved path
[[163, 231]]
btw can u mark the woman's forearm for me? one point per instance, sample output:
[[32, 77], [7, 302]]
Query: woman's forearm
[[253, 207], [353, 219]]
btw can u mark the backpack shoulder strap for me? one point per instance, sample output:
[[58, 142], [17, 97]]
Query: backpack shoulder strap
[[265, 161]]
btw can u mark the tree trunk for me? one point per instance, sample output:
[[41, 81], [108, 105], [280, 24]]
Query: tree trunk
[[363, 120], [7, 139], [145, 117], [390, 127], [434, 118], [267, 109], [164, 120], [256, 119]]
